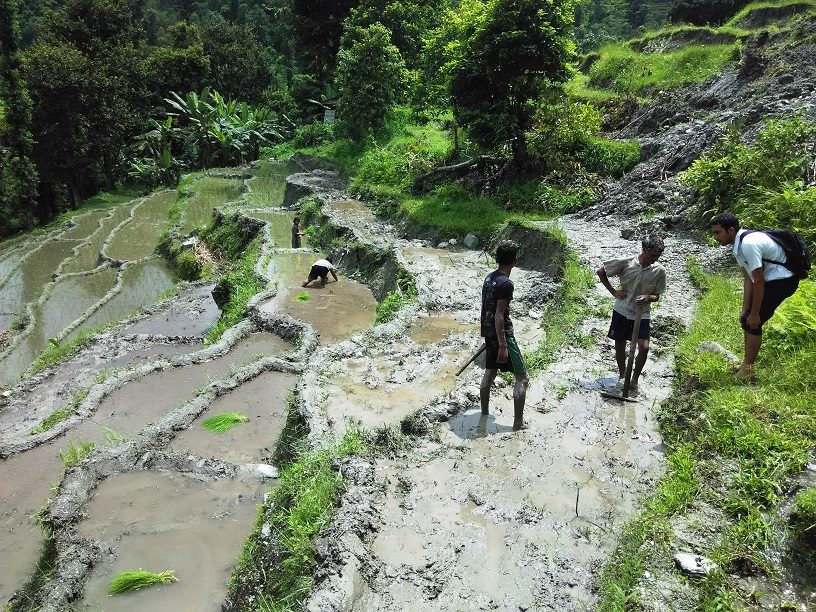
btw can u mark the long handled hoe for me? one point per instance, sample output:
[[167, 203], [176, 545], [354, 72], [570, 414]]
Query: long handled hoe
[[627, 379]]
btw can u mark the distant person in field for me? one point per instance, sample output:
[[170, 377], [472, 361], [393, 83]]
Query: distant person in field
[[321, 269], [642, 281], [766, 283], [296, 233], [502, 351]]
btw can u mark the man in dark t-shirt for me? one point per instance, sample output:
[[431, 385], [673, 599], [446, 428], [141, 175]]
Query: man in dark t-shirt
[[502, 351]]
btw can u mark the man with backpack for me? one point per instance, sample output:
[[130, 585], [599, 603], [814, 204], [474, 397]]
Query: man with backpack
[[772, 263]]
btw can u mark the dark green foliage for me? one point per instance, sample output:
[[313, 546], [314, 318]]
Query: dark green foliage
[[765, 184], [319, 28], [703, 12], [85, 78], [408, 22], [313, 134], [240, 63], [370, 77], [390, 306], [18, 175], [183, 66], [521, 47]]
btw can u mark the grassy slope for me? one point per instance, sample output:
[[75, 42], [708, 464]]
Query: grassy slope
[[732, 448]]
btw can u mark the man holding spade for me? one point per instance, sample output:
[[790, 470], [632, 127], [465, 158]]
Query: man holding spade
[[502, 351], [642, 281]]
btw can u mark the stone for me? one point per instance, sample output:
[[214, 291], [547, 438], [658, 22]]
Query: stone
[[717, 349], [471, 241], [693, 565], [442, 245], [261, 469], [452, 242]]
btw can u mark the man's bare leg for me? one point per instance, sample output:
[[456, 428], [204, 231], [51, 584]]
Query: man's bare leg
[[484, 390], [752, 344], [640, 360], [620, 357], [519, 397]]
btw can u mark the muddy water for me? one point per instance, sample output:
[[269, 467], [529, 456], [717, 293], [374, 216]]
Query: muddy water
[[84, 225], [30, 277], [209, 192], [70, 297], [140, 236], [142, 284], [436, 328], [383, 389], [130, 408], [87, 257], [25, 483], [263, 400], [337, 311], [166, 520], [25, 478], [280, 225], [192, 314], [68, 300]]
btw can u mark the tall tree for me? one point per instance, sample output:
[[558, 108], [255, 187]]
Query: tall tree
[[370, 77], [407, 20], [18, 179], [319, 28], [522, 48], [87, 82]]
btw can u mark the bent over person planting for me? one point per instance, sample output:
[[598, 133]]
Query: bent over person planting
[[501, 349], [642, 281], [766, 281]]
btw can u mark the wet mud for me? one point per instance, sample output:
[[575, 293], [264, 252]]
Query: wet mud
[[167, 520]]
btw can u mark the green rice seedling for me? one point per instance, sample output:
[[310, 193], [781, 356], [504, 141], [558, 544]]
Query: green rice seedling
[[113, 437], [223, 422], [303, 296], [131, 581], [74, 453]]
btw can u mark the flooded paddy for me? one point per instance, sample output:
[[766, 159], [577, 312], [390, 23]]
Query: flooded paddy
[[143, 283], [139, 237], [167, 520], [264, 401], [87, 256], [209, 193], [268, 186], [279, 223]]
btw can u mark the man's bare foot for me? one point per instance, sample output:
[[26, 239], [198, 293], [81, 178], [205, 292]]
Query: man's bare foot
[[520, 426]]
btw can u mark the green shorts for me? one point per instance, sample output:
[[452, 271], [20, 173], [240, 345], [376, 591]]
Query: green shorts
[[515, 362]]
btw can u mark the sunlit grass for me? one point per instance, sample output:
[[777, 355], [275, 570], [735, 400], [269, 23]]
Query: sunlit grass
[[74, 453]]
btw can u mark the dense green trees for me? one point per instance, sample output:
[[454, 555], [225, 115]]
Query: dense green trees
[[520, 49], [370, 77], [18, 175], [702, 12]]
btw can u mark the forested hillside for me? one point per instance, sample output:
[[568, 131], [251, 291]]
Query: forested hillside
[[87, 82]]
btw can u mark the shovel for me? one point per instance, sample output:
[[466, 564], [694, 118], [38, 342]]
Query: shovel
[[472, 359], [627, 379]]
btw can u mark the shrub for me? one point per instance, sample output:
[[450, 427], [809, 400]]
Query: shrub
[[804, 513], [609, 157], [187, 266], [794, 323], [767, 183], [313, 134]]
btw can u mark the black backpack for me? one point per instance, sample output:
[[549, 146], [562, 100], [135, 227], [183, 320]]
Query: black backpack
[[795, 249]]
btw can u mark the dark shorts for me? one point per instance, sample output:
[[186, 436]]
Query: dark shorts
[[295, 241], [514, 363], [621, 328], [776, 291], [321, 271]]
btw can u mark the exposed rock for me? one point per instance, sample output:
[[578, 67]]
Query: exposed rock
[[693, 565], [471, 241]]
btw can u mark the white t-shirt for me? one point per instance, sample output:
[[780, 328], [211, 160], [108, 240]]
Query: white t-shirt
[[325, 263], [636, 280], [750, 250]]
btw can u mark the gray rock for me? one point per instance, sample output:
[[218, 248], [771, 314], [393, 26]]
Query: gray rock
[[442, 245], [693, 565], [717, 349], [471, 241]]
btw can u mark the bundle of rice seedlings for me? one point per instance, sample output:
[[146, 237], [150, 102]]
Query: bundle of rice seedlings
[[131, 581], [303, 296], [224, 421]]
